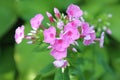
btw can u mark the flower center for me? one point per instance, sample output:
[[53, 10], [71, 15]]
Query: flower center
[[71, 13], [69, 33], [51, 35], [60, 41]]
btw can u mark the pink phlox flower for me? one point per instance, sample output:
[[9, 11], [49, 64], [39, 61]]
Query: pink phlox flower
[[71, 33], [89, 39], [36, 21], [88, 33], [102, 39], [19, 34], [85, 29], [59, 54], [74, 11], [49, 35], [76, 23], [60, 63], [60, 44]]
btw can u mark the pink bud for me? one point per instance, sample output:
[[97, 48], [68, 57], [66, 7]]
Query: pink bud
[[49, 47], [108, 31], [50, 17], [102, 39], [28, 37], [57, 13]]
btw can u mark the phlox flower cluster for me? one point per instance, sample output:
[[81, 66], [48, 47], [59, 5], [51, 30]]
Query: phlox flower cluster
[[63, 31]]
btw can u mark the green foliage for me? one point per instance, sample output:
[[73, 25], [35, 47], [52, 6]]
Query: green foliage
[[7, 15], [27, 62]]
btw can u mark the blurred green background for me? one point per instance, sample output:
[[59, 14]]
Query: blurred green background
[[24, 61]]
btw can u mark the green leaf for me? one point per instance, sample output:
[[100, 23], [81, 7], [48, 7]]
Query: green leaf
[[7, 64], [62, 75], [7, 15], [76, 72], [46, 72]]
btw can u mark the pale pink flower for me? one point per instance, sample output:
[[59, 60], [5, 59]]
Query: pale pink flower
[[74, 11], [88, 33], [102, 39], [59, 54], [19, 34], [60, 63], [36, 21], [57, 13], [85, 28], [60, 44], [49, 35]]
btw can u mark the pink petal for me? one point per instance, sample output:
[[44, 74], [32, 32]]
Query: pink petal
[[49, 35], [19, 34], [36, 21], [74, 11], [60, 63], [59, 54], [60, 44]]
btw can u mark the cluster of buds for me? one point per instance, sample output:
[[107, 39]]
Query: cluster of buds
[[63, 31], [105, 23]]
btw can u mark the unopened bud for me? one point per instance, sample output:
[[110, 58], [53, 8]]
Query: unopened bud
[[57, 13], [33, 31], [82, 19], [29, 34], [29, 42], [104, 28], [49, 47], [76, 43], [73, 49], [109, 31], [28, 37], [109, 15], [50, 17]]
